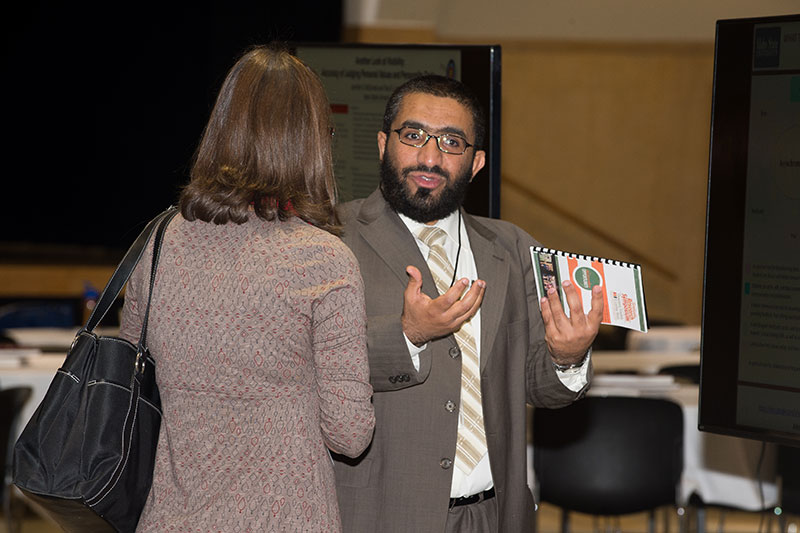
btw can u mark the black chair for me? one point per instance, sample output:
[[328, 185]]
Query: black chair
[[686, 373], [609, 456], [12, 400]]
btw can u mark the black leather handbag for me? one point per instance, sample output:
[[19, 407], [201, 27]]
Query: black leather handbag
[[87, 454]]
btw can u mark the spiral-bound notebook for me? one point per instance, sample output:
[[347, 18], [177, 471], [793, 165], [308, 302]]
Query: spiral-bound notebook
[[623, 293]]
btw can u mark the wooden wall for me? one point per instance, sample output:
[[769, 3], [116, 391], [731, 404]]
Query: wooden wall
[[51, 281], [605, 151]]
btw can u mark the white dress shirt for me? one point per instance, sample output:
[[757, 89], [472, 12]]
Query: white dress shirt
[[480, 478]]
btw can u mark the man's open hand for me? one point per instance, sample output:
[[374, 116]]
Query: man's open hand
[[426, 318]]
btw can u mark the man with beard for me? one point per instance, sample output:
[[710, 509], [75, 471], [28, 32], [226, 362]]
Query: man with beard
[[452, 362]]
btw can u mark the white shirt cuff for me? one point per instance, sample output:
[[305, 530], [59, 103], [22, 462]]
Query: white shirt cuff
[[575, 378], [414, 351]]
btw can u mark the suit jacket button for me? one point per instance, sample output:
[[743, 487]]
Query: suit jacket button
[[392, 379], [445, 463], [450, 406], [454, 352]]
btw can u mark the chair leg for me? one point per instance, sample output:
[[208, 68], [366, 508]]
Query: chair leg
[[11, 511], [564, 521], [667, 514], [701, 520], [721, 523], [7, 507]]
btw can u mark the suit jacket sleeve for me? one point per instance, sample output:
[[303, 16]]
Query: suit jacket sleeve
[[384, 248], [391, 367], [544, 387]]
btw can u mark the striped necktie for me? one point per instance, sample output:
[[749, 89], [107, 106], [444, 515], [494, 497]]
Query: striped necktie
[[471, 441]]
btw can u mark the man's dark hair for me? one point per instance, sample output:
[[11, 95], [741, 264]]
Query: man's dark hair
[[442, 87]]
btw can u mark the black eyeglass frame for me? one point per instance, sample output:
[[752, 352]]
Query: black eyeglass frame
[[437, 137]]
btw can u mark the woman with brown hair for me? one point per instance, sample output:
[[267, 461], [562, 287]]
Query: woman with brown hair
[[257, 322]]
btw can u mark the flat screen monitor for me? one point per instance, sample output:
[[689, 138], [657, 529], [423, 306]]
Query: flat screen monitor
[[750, 350], [359, 78]]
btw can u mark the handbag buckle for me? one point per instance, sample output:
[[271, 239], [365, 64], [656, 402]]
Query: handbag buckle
[[78, 336], [140, 362]]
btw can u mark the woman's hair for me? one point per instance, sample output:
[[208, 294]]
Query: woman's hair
[[266, 144]]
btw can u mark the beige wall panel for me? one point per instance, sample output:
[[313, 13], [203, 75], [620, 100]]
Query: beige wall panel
[[581, 20], [408, 11], [418, 34], [599, 20], [614, 141], [547, 225]]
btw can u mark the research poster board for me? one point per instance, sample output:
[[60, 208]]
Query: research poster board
[[359, 78]]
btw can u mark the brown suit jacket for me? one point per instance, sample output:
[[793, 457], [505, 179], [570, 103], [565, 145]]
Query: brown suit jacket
[[402, 481]]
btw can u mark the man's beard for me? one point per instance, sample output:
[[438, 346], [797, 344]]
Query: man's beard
[[422, 206]]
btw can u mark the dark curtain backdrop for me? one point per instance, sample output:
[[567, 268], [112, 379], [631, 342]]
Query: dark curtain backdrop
[[104, 104]]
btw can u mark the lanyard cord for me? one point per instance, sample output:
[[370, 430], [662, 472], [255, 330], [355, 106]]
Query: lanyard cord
[[458, 252]]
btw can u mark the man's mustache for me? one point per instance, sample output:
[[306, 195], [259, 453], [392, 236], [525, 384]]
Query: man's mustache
[[423, 168]]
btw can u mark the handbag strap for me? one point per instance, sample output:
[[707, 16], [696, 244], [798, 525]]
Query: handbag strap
[[124, 270], [162, 227]]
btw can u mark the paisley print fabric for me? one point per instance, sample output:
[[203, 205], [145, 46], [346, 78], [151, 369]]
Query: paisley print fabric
[[258, 332]]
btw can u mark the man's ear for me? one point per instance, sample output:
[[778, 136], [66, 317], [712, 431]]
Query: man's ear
[[381, 144], [477, 162]]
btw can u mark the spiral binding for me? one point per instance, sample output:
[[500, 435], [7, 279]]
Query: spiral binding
[[583, 257]]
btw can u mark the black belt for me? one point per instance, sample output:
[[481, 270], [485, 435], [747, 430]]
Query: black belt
[[475, 498]]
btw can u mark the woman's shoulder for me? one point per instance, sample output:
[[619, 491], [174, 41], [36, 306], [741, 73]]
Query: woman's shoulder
[[314, 241]]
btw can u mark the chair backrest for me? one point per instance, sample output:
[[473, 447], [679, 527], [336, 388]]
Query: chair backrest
[[12, 400], [688, 373], [609, 455]]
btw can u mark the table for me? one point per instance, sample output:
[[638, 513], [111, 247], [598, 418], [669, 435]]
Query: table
[[39, 367], [37, 372], [641, 362], [665, 338], [57, 340]]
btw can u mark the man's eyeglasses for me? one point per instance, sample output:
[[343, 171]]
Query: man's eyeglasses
[[447, 142]]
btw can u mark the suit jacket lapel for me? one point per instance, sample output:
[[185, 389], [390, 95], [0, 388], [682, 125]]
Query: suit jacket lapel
[[492, 262], [383, 230]]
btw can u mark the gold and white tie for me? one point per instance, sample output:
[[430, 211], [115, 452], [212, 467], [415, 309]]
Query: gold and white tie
[[471, 441]]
